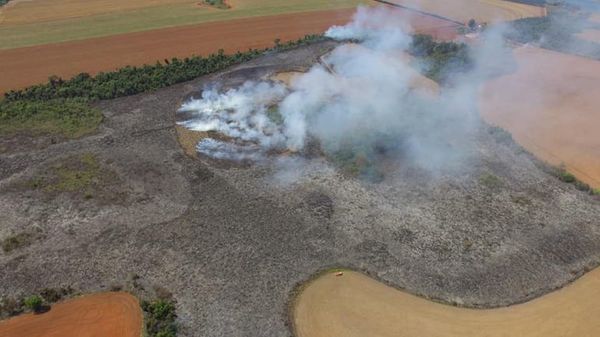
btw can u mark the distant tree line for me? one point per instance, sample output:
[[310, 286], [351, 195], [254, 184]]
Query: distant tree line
[[62, 106], [3, 2], [555, 31], [132, 80]]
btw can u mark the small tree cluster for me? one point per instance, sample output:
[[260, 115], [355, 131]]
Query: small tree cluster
[[160, 318], [442, 59]]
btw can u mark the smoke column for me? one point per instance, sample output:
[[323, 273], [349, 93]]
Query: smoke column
[[370, 101]]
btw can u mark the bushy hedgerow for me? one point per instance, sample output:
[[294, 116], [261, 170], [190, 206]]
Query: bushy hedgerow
[[133, 80], [62, 106]]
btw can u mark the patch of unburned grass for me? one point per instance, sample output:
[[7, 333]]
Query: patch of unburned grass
[[274, 115], [521, 200], [357, 163], [80, 174], [17, 241], [69, 118], [490, 181]]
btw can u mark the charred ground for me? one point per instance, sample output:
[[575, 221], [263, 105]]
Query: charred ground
[[231, 243]]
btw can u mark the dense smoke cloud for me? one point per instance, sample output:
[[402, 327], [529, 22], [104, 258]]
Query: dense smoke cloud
[[368, 99]]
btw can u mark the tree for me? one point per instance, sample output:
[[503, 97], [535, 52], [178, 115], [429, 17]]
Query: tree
[[34, 303], [472, 24]]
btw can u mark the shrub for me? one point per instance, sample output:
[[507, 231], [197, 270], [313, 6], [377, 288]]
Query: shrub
[[489, 180], [160, 318], [442, 59], [33, 303], [17, 241], [217, 3], [567, 177], [52, 295], [10, 307]]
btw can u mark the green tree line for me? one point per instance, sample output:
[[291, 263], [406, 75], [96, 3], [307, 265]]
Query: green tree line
[[62, 106]]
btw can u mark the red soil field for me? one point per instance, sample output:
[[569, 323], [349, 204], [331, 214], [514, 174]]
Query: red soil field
[[550, 105], [99, 315], [22, 67]]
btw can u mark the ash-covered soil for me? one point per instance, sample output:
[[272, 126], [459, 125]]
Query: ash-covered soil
[[231, 242]]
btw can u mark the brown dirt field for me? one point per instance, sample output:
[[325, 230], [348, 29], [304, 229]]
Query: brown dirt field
[[98, 315], [354, 305], [22, 67], [592, 35], [550, 105], [480, 10]]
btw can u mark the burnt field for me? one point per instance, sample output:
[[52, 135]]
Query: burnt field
[[231, 242]]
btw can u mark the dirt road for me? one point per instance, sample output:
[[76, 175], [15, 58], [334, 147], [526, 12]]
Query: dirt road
[[99, 315], [550, 105], [22, 67], [354, 305]]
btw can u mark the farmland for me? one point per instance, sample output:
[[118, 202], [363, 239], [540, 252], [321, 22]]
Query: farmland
[[109, 314], [480, 10], [399, 175], [550, 106], [31, 65], [27, 23], [328, 307]]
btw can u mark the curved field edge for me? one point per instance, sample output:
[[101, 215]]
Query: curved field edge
[[151, 18], [154, 317], [573, 289], [73, 312]]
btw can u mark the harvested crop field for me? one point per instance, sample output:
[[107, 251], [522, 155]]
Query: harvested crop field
[[550, 105], [354, 305], [480, 10], [98, 315], [232, 242], [592, 35], [31, 65]]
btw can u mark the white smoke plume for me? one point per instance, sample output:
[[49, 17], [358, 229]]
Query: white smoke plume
[[369, 101]]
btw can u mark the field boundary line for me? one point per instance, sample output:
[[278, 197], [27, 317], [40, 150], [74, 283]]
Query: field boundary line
[[419, 11]]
